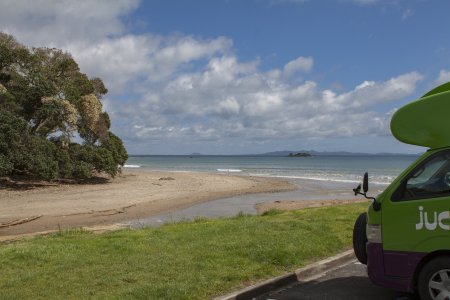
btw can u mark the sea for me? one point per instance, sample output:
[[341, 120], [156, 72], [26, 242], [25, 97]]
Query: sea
[[382, 169]]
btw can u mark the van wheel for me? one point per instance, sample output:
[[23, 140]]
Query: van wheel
[[434, 279], [360, 238]]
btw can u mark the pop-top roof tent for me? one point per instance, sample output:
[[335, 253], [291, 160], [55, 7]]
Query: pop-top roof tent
[[425, 122]]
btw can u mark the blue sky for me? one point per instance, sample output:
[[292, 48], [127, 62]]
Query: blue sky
[[235, 77]]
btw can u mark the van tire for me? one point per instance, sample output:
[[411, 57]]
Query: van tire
[[430, 272], [360, 238]]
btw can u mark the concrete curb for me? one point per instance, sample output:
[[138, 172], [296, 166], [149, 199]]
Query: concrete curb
[[301, 275]]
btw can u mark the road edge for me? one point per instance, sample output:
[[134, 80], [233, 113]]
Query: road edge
[[307, 273]]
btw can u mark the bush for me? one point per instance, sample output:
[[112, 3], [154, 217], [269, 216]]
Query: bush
[[5, 165], [65, 164], [42, 158], [81, 170]]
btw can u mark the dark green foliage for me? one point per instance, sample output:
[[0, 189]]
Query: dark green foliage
[[13, 134], [23, 153], [8, 103], [5, 165], [65, 163], [42, 158], [43, 104], [102, 160], [81, 170], [115, 145]]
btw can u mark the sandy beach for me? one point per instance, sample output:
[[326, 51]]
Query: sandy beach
[[40, 208]]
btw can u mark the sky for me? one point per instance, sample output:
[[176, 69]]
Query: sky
[[248, 76]]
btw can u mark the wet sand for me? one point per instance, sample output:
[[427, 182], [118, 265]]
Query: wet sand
[[309, 193], [131, 196]]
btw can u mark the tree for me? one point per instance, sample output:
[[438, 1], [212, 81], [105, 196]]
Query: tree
[[45, 101]]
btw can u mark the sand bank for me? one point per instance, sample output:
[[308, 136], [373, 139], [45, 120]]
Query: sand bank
[[132, 195]]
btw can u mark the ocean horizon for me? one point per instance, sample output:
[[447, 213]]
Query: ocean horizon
[[346, 169]]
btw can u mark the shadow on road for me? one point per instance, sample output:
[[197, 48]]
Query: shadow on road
[[347, 283]]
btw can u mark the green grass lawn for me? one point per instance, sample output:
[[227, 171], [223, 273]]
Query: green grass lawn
[[187, 260]]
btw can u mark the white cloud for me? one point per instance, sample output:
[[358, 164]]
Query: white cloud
[[228, 107], [117, 61], [252, 106], [53, 23], [300, 64], [371, 93], [444, 76], [184, 50], [148, 57]]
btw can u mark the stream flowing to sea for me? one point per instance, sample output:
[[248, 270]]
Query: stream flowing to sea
[[317, 178]]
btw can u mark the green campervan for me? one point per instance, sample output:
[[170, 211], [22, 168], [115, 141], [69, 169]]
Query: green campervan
[[404, 238]]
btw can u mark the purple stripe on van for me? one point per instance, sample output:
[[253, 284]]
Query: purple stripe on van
[[401, 264], [392, 269]]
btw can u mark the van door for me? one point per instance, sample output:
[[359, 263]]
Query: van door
[[416, 219]]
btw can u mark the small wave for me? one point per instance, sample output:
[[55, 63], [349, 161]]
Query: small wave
[[319, 179], [131, 166], [229, 170]]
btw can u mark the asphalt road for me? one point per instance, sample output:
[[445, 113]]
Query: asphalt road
[[349, 282]]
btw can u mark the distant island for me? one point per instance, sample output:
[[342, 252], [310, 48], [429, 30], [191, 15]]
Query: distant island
[[299, 154]]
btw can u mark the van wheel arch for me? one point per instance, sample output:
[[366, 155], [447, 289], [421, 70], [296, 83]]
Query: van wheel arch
[[429, 257]]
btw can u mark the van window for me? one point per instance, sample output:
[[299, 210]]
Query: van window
[[429, 180]]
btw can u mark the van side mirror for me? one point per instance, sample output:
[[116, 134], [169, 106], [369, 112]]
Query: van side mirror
[[376, 205], [366, 182]]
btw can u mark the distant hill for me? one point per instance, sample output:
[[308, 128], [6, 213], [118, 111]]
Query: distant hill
[[287, 152]]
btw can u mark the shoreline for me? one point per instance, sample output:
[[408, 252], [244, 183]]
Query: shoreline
[[130, 196]]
